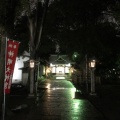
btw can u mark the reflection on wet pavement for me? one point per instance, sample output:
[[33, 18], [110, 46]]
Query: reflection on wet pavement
[[59, 103]]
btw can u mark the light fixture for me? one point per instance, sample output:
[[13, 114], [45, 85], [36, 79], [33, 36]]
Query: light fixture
[[92, 63], [32, 63]]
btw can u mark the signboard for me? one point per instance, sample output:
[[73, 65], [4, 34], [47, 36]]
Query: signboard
[[11, 54]]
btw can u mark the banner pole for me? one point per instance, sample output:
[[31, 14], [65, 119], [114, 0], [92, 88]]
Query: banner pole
[[4, 98]]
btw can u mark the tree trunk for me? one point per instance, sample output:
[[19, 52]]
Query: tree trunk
[[2, 69], [32, 56]]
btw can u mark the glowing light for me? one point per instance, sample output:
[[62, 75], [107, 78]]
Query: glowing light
[[53, 69], [17, 74], [48, 86], [57, 88], [73, 92], [48, 70], [68, 64], [76, 105], [32, 63], [60, 77], [92, 63], [51, 65], [67, 70], [60, 70]]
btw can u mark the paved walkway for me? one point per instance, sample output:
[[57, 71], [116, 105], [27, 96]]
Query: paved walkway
[[59, 103]]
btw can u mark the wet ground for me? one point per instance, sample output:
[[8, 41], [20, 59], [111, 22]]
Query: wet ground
[[56, 100], [107, 101]]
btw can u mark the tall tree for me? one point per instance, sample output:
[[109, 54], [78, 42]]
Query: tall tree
[[74, 23], [34, 12]]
